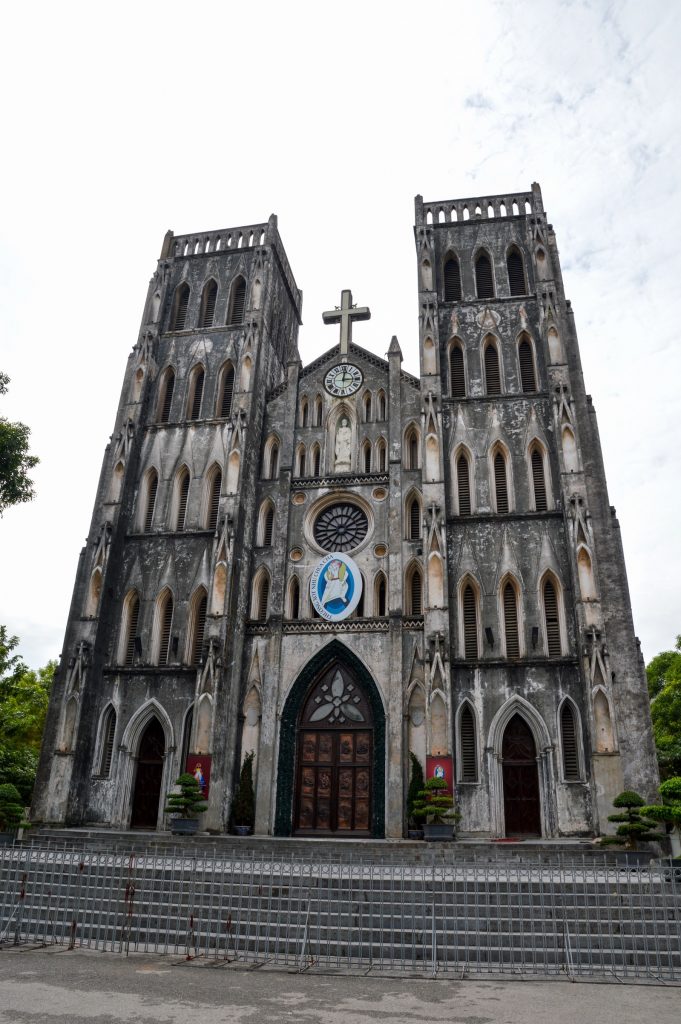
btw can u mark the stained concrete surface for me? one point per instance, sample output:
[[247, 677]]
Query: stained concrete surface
[[97, 988]]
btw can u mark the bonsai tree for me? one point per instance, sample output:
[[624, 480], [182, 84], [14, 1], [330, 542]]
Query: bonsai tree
[[434, 806], [187, 800], [633, 826], [669, 811], [11, 808], [415, 785], [243, 808]]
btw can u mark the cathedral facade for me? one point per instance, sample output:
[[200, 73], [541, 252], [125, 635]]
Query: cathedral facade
[[337, 564]]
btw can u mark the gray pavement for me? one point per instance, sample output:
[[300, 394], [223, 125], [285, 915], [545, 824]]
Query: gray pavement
[[85, 987]]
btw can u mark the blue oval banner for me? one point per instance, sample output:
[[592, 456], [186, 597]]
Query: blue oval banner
[[336, 587]]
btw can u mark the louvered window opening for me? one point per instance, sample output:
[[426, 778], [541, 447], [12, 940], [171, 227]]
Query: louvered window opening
[[527, 377], [181, 305], [452, 280], [516, 273], [197, 395], [511, 622], [416, 588], [492, 375], [483, 277], [463, 483], [539, 481], [367, 458], [182, 501], [214, 504], [469, 761], [551, 619], [108, 743], [380, 598], [152, 487], [315, 461], [166, 622], [500, 483], [268, 527], [208, 307], [367, 407], [263, 599], [227, 392], [457, 378], [169, 387], [413, 451], [300, 468], [274, 462], [470, 625], [318, 414], [414, 520], [133, 619], [295, 598], [381, 458], [238, 303], [568, 733], [199, 629]]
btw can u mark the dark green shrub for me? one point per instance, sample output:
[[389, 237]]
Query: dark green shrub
[[633, 826], [434, 806], [11, 808]]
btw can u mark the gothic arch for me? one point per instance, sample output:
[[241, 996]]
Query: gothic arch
[[237, 302], [604, 732], [265, 531], [94, 593], [492, 363], [527, 364], [129, 750], [178, 508], [211, 497], [270, 458], [233, 469], [554, 626], [468, 743], [569, 445], [196, 626], [469, 631], [104, 745], [260, 596], [411, 446], [117, 482], [501, 483], [544, 747], [555, 346], [203, 733], [413, 514], [320, 662], [463, 473], [457, 368], [436, 581], [162, 627], [165, 395], [571, 763], [413, 589], [347, 411], [429, 356], [511, 617], [129, 630], [219, 589], [432, 469], [208, 299], [539, 475], [225, 391], [585, 574], [246, 373], [197, 379]]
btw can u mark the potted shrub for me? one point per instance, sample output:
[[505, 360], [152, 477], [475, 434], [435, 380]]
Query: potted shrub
[[435, 808], [416, 783], [11, 810], [669, 812], [633, 826], [186, 803], [243, 808]]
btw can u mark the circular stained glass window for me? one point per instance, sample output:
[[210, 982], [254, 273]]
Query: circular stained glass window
[[340, 527]]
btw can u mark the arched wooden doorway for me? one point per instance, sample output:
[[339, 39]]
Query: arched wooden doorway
[[147, 793], [522, 811], [334, 747]]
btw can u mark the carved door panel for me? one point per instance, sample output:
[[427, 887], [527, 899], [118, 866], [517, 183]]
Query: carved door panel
[[521, 780]]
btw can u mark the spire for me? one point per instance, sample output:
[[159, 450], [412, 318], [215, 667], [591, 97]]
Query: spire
[[394, 349]]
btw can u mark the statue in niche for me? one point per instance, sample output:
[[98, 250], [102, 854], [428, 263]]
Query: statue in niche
[[343, 446]]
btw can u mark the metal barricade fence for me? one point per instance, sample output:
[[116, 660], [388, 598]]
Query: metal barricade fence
[[578, 917]]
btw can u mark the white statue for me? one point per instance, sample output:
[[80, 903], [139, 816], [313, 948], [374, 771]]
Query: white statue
[[343, 446]]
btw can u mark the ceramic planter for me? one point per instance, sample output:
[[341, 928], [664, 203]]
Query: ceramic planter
[[184, 826], [438, 830], [242, 830]]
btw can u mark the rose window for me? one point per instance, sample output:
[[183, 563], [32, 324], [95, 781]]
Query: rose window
[[341, 527]]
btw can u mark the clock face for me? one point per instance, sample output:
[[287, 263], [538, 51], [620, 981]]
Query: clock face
[[343, 380]]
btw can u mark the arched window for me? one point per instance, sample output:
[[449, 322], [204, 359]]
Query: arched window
[[492, 372], [470, 624], [237, 302], [187, 738], [180, 304], [266, 524], [380, 596], [162, 626], [130, 620], [208, 299], [411, 449], [381, 461], [468, 747], [538, 478], [484, 282], [261, 596], [511, 632], [165, 397], [226, 391], [569, 743], [528, 380], [414, 593], [366, 406], [197, 626], [94, 593], [554, 647], [380, 407], [585, 573], [271, 460], [366, 456], [500, 484], [233, 470], [107, 736], [315, 455], [150, 488], [294, 598], [413, 519], [213, 498], [182, 493], [137, 385], [457, 376], [452, 279], [117, 482], [516, 273], [570, 457], [463, 484], [304, 413], [196, 382], [318, 411]]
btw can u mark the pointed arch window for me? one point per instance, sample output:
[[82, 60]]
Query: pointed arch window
[[237, 302], [271, 461], [492, 371], [226, 392], [261, 596], [510, 601], [198, 626], [484, 281], [316, 459], [380, 407], [366, 456], [412, 449], [414, 519], [415, 591], [366, 406], [318, 411], [452, 279], [516, 273], [500, 484], [551, 619], [94, 592], [208, 300], [304, 413], [182, 495], [381, 456], [267, 525], [131, 613], [300, 460], [180, 306], [150, 499], [463, 484], [468, 745], [528, 379], [165, 398], [108, 734], [569, 743], [470, 624], [196, 383], [380, 596], [164, 622], [213, 504], [457, 376], [294, 598], [538, 479]]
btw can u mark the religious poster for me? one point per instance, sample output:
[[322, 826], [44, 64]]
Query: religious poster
[[336, 587], [198, 765], [441, 768]]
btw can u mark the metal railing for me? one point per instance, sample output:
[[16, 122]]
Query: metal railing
[[579, 917]]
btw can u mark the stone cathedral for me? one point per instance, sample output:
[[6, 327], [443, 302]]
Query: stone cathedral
[[337, 564]]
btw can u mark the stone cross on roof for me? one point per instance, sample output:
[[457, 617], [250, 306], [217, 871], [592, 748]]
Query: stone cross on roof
[[344, 316]]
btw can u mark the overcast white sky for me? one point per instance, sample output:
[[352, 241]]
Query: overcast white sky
[[121, 121]]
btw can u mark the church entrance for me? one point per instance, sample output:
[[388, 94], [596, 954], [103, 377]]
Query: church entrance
[[521, 780], [334, 746], [147, 794]]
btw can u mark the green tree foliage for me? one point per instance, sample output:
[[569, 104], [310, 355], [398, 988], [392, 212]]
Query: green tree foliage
[[633, 827], [187, 800], [24, 696], [243, 808], [664, 686], [11, 807], [415, 784], [15, 461]]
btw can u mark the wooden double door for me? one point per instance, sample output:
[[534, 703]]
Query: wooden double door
[[522, 810], [147, 793], [334, 759]]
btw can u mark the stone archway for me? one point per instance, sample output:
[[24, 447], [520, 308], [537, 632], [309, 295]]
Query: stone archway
[[522, 808], [146, 795]]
